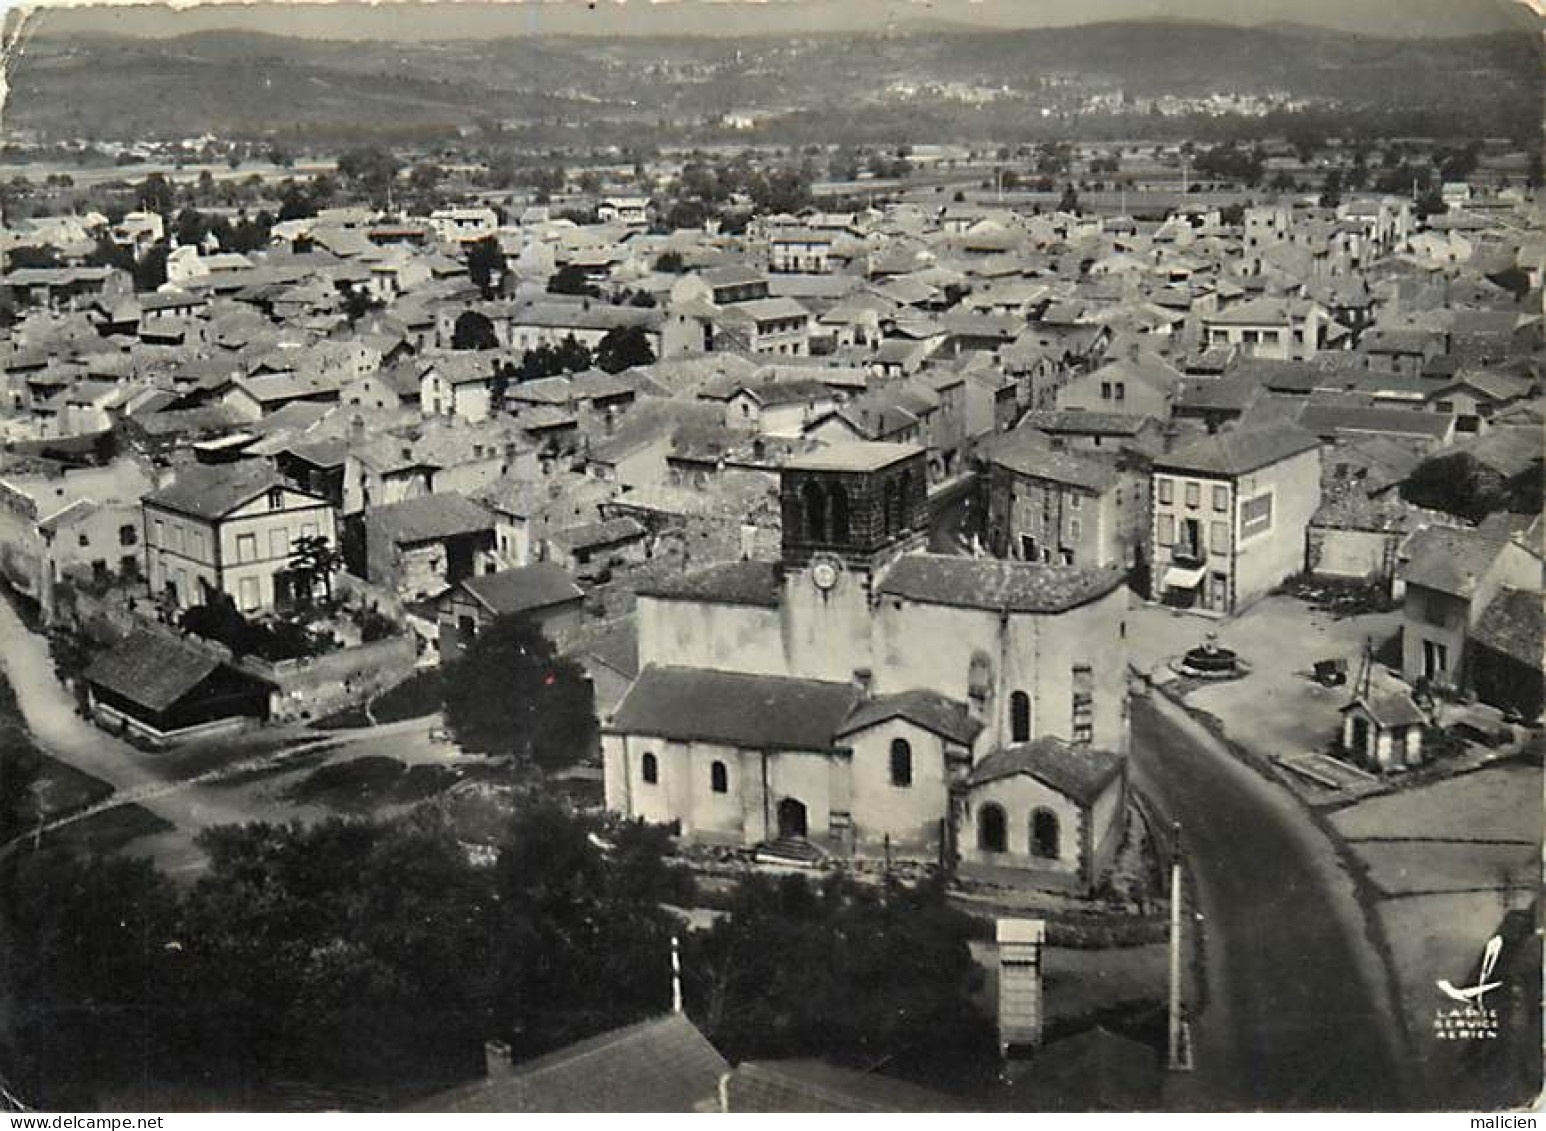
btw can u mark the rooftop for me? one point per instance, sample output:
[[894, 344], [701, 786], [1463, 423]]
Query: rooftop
[[661, 1065], [151, 669], [729, 583], [1449, 560], [757, 712], [999, 586], [858, 456], [1074, 771], [536, 586], [1237, 453], [428, 518], [213, 492]]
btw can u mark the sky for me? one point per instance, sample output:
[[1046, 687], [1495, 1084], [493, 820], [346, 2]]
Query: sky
[[416, 21]]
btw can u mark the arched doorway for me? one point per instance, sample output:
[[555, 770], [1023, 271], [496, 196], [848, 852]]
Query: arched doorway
[[992, 830], [791, 819], [1045, 838]]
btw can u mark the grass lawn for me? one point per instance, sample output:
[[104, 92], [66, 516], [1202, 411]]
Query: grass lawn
[[414, 698], [105, 832], [375, 780], [57, 788]]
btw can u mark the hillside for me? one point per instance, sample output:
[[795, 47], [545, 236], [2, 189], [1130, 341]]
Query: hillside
[[570, 89]]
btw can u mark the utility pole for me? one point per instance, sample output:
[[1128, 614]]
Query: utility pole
[[676, 975], [1179, 1058]]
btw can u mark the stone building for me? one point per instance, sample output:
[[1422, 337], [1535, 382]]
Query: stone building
[[859, 696]]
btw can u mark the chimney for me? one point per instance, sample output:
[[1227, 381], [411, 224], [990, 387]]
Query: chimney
[[863, 682], [1019, 983], [356, 429], [496, 1059]]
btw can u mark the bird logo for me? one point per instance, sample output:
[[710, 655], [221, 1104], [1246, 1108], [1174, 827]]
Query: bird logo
[[1474, 995]]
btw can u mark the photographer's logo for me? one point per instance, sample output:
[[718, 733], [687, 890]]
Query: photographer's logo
[[1468, 1018]]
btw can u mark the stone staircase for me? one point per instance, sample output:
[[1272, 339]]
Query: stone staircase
[[790, 851]]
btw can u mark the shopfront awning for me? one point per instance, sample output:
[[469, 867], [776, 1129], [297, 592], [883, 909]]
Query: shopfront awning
[[1180, 577]]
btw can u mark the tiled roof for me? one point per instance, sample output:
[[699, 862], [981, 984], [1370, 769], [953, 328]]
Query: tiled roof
[[757, 712], [929, 709], [661, 1065], [1085, 423], [520, 590], [427, 518], [1028, 452], [855, 456], [150, 669], [1449, 560], [729, 583], [1515, 624], [212, 492], [1236, 453], [1329, 418], [1001, 586], [1077, 772], [813, 1086], [605, 533]]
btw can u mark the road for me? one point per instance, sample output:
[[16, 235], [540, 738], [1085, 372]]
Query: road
[[192, 803], [1298, 1015], [951, 522]]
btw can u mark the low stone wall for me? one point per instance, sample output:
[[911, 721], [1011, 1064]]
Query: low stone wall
[[308, 689]]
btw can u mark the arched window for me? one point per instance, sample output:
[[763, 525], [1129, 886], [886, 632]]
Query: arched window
[[649, 769], [815, 512], [992, 829], [719, 778], [979, 680], [839, 505], [1019, 717], [1044, 834], [901, 762]]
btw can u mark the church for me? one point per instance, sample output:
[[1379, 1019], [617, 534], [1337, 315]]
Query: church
[[863, 697]]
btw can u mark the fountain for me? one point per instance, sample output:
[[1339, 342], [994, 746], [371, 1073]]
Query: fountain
[[1210, 660]]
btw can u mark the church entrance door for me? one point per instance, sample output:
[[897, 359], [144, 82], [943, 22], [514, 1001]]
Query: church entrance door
[[791, 819]]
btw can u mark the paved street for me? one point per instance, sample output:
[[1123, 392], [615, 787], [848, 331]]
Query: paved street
[[1298, 1016]]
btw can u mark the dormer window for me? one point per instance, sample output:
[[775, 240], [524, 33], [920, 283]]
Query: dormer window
[[276, 499]]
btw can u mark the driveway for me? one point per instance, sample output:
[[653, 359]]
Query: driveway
[[1298, 1015]]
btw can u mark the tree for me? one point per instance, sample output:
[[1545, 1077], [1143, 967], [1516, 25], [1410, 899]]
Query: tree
[[485, 265], [571, 279], [670, 263], [622, 348], [585, 946], [156, 194], [299, 938], [473, 331], [1069, 201], [85, 973], [150, 271], [1331, 190], [844, 973], [511, 693], [314, 559]]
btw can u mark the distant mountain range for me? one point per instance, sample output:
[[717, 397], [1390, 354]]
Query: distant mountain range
[[558, 89]]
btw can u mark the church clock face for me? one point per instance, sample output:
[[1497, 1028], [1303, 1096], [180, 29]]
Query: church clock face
[[825, 570]]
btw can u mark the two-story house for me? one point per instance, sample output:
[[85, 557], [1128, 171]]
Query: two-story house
[[1229, 516], [232, 529], [1452, 577], [1063, 508]]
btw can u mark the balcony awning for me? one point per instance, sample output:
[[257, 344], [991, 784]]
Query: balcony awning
[[1181, 577]]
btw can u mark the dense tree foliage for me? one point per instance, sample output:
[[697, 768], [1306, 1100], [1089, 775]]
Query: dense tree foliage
[[623, 348], [1457, 484], [846, 973], [510, 693], [485, 265]]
